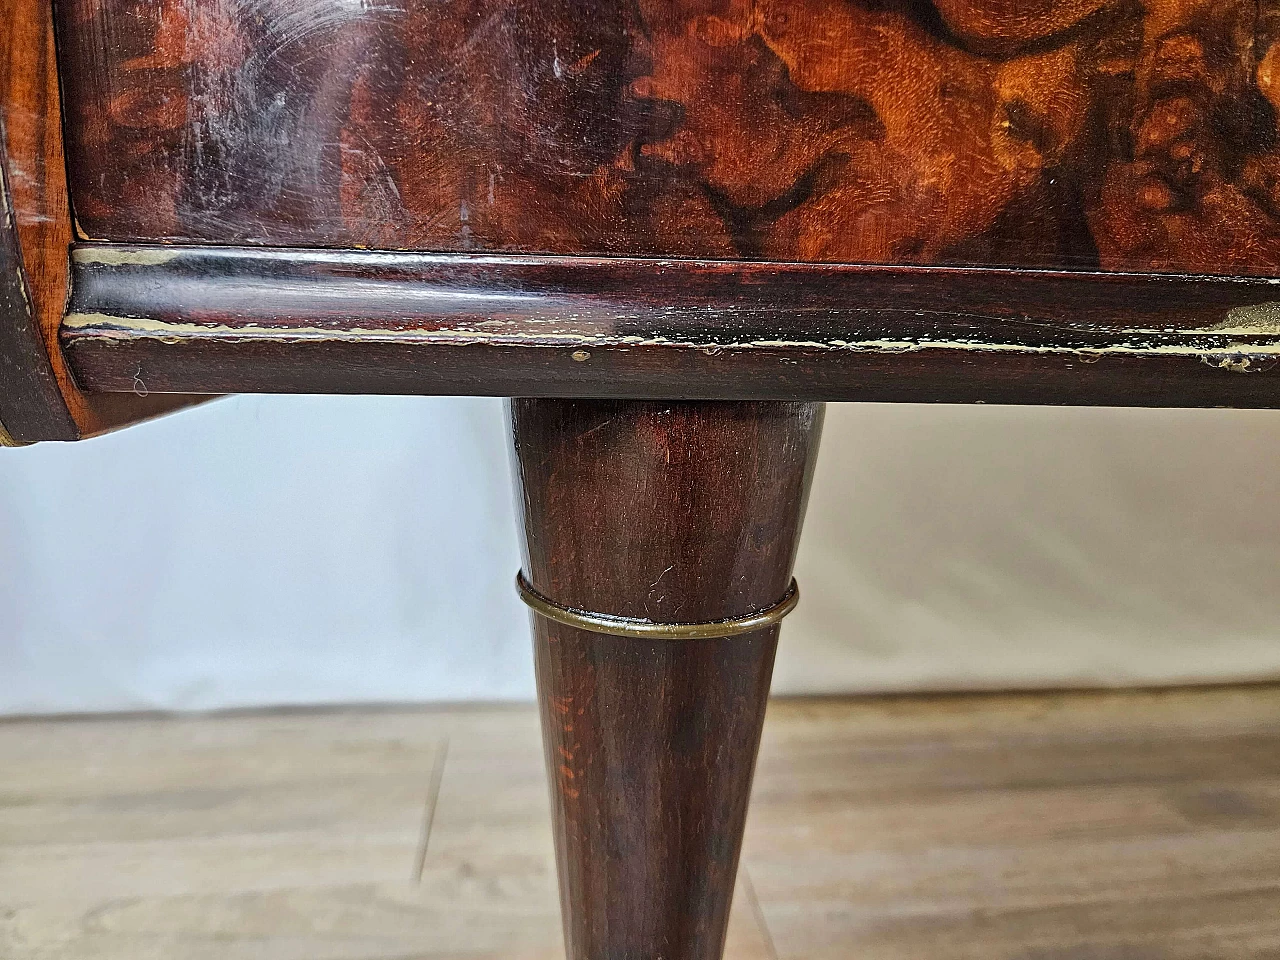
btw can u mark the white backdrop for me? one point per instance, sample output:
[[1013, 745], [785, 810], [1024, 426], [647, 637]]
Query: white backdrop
[[302, 550]]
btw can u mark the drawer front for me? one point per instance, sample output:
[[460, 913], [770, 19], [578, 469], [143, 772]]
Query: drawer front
[[1064, 133]]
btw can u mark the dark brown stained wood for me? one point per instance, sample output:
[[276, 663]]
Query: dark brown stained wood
[[38, 398], [156, 319], [31, 405], [1099, 134], [35, 231], [672, 512]]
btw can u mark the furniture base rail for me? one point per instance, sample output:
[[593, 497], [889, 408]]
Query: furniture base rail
[[241, 320]]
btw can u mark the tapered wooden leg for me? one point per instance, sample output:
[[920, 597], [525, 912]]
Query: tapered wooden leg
[[672, 513]]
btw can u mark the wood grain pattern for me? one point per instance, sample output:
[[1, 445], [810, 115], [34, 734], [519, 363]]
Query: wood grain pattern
[[1098, 134], [674, 513], [30, 401], [1113, 825], [1004, 828], [36, 231], [313, 321], [39, 399], [116, 843]]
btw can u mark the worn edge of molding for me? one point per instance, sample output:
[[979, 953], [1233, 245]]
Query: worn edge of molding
[[1234, 356]]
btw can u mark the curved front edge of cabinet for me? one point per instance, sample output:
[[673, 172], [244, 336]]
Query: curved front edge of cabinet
[[239, 320], [31, 403], [39, 399]]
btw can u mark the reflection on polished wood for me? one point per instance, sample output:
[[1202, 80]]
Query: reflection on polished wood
[[39, 398], [1104, 134], [666, 513], [237, 319], [965, 828]]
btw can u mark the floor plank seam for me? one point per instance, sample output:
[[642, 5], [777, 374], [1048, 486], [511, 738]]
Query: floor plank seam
[[757, 911], [429, 814]]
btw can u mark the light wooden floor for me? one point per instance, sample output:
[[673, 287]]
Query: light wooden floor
[[1072, 827]]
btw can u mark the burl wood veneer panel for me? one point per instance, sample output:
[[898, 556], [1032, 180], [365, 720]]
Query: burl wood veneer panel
[[1072, 133]]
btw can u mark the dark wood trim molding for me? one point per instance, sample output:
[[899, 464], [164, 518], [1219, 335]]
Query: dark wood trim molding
[[225, 319]]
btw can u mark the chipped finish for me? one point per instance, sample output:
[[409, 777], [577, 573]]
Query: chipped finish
[[246, 320], [666, 512], [1098, 134], [123, 256], [80, 326], [1255, 320]]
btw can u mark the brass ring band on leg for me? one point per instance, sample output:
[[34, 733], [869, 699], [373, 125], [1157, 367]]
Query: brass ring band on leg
[[640, 629]]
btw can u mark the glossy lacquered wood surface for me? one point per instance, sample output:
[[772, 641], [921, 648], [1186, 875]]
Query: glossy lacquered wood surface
[[157, 319], [31, 405], [35, 229], [672, 512], [1100, 134], [39, 398]]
